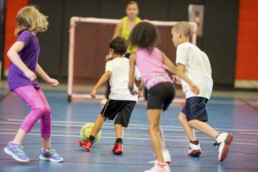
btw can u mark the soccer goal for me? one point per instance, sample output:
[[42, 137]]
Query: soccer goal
[[88, 47]]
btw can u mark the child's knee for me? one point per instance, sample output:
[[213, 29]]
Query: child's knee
[[154, 128], [192, 123], [47, 111], [181, 117], [40, 110]]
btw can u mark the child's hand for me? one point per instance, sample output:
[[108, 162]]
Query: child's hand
[[140, 94], [194, 89], [30, 75], [133, 91], [176, 79], [53, 82], [93, 93]]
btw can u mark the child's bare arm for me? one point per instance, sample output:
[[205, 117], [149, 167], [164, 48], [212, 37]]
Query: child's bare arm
[[180, 73], [118, 29], [16, 59], [131, 72], [140, 86], [51, 81], [101, 81]]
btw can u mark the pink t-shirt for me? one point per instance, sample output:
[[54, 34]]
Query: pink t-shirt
[[151, 67]]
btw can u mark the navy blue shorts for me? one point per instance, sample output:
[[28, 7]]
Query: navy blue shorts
[[195, 108]]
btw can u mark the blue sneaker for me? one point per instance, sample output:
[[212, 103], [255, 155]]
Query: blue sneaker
[[17, 153], [50, 155]]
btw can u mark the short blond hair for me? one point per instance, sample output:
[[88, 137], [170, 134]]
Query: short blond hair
[[29, 18], [183, 27]]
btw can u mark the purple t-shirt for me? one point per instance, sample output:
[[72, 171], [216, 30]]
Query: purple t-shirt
[[29, 55]]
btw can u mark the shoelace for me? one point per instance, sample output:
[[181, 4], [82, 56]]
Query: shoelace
[[20, 150], [216, 144], [52, 151]]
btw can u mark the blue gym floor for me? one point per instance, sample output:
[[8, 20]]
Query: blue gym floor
[[237, 115]]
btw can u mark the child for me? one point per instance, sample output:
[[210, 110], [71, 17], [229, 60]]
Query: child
[[195, 64], [150, 62], [22, 80], [123, 29], [121, 103]]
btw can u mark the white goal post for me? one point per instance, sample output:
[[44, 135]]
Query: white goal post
[[90, 29]]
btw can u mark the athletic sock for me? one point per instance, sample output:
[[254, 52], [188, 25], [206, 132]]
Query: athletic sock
[[196, 142], [91, 138], [13, 144], [119, 141]]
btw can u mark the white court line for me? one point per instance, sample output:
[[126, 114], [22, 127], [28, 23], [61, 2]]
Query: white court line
[[167, 128], [132, 138], [106, 125], [127, 134]]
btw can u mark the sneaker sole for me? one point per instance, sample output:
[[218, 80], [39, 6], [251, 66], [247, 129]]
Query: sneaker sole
[[195, 153], [49, 159], [226, 147], [117, 152], [87, 149], [13, 156]]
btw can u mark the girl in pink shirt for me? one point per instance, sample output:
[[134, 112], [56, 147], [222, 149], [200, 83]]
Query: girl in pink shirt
[[150, 62]]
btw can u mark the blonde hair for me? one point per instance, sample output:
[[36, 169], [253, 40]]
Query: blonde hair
[[183, 27], [29, 18]]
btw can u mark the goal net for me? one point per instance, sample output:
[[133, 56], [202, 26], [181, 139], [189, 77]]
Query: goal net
[[88, 47]]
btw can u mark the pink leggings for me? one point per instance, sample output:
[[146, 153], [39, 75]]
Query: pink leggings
[[40, 109]]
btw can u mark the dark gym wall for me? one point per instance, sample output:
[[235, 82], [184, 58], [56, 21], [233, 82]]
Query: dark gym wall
[[218, 41]]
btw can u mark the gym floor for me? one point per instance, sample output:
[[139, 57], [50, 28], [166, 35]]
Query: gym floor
[[233, 111]]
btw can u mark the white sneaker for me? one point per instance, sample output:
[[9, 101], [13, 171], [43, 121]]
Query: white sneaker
[[157, 168], [194, 150], [166, 156], [222, 142]]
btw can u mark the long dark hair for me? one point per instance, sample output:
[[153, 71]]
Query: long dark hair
[[144, 35]]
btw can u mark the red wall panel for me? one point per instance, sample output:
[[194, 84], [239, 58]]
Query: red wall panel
[[12, 7], [247, 45]]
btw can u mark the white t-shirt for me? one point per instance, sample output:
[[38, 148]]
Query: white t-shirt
[[119, 68], [198, 69]]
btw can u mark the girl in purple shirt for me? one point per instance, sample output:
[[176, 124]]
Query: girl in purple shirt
[[22, 79], [150, 62]]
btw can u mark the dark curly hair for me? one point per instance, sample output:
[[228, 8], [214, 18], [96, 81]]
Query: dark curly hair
[[119, 45], [144, 35]]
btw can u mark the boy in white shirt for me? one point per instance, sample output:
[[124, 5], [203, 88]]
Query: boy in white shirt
[[195, 63], [121, 102]]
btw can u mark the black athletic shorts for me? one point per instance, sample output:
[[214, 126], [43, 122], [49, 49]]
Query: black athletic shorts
[[127, 55], [119, 109], [195, 108], [160, 96]]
